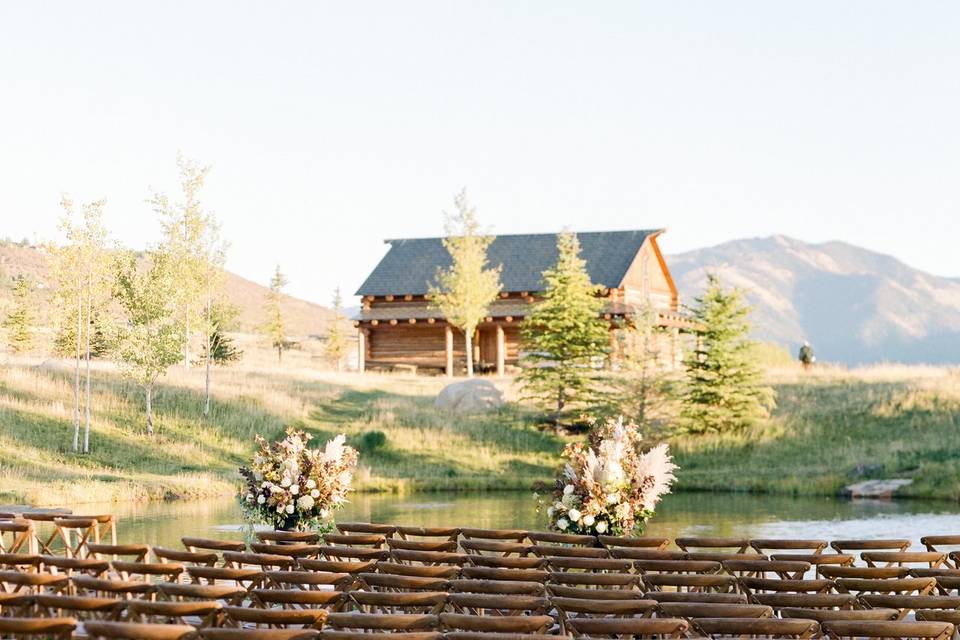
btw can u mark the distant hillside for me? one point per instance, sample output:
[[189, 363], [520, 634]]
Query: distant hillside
[[854, 305], [303, 318]]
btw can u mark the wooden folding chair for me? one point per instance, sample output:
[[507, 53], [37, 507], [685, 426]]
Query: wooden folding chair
[[876, 629], [110, 588], [755, 586], [782, 569], [225, 594], [45, 533], [20, 562], [628, 627], [492, 573], [394, 602], [507, 562], [592, 565], [393, 582], [928, 559], [198, 613], [387, 530], [298, 599], [497, 587], [720, 583], [75, 534], [604, 581], [125, 552], [789, 546], [946, 544], [495, 624], [446, 572], [295, 550], [705, 597], [690, 610], [903, 586], [308, 580], [571, 609], [756, 627], [337, 566], [830, 615], [873, 573], [948, 580], [32, 583], [410, 556], [856, 546], [149, 571], [370, 540], [428, 533], [939, 615], [17, 536], [32, 627], [138, 631], [259, 634], [643, 553], [288, 537], [430, 544], [496, 542], [191, 558], [376, 622], [261, 561], [75, 566], [357, 554], [701, 567], [217, 546], [634, 542], [274, 618], [905, 604], [486, 604], [715, 545], [245, 578], [779, 601], [80, 607]]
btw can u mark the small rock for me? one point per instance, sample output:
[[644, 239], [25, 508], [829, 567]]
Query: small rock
[[875, 488], [470, 396]]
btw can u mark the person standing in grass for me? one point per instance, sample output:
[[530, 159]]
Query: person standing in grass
[[806, 356]]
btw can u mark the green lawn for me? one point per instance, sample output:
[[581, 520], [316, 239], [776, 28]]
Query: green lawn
[[829, 430]]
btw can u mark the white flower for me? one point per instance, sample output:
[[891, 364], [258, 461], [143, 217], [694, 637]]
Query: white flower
[[550, 512], [315, 493], [559, 506], [324, 513], [286, 482], [574, 515], [311, 483], [290, 508], [588, 521], [264, 485], [294, 489], [305, 502], [613, 498], [567, 490], [334, 449], [562, 524], [258, 476], [261, 499], [249, 497], [601, 526], [568, 500]]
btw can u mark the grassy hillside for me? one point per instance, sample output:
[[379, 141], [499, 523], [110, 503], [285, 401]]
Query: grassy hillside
[[830, 429], [302, 318]]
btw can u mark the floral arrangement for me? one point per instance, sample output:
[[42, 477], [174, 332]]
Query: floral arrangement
[[293, 487], [609, 485]]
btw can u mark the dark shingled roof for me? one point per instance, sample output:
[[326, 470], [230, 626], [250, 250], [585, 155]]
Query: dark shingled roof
[[411, 265]]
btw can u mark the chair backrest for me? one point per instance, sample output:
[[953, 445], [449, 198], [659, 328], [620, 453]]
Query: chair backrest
[[677, 566], [393, 582], [756, 627], [227, 594], [33, 627], [878, 629], [366, 527], [697, 596], [198, 558], [876, 573], [886, 544], [497, 587], [80, 606], [382, 622], [719, 544], [430, 533], [690, 582], [596, 565], [628, 627], [806, 545], [138, 631], [929, 559], [132, 552], [374, 540], [713, 610], [430, 544], [274, 618], [490, 573], [411, 556], [259, 634], [826, 615], [496, 604], [421, 602], [920, 586], [421, 571], [196, 613], [806, 600], [207, 544], [495, 624], [297, 598], [638, 542], [288, 537]]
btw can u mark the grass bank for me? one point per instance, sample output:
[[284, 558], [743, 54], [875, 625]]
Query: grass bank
[[831, 428], [193, 457]]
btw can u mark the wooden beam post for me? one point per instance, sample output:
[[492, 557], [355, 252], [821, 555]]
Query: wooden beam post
[[448, 333], [501, 350], [362, 350]]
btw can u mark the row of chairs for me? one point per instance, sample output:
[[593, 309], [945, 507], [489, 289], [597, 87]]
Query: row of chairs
[[54, 531]]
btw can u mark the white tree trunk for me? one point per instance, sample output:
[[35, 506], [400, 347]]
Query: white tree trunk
[[468, 335], [86, 431], [209, 363], [76, 380], [148, 392]]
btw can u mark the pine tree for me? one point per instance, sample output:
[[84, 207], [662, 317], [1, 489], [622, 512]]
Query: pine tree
[[151, 337], [222, 349], [20, 319], [336, 341], [274, 328], [564, 338], [463, 291], [724, 387]]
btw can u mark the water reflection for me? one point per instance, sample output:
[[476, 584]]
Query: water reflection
[[680, 514]]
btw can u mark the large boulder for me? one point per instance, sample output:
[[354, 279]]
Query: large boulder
[[470, 396]]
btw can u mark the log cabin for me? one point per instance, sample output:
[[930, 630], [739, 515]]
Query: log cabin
[[399, 329]]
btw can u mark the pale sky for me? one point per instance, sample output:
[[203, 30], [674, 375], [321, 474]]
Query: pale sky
[[331, 126]]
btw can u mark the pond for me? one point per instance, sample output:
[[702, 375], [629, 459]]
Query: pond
[[680, 514]]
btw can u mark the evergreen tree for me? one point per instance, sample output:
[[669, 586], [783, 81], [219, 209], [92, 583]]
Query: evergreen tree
[[463, 291], [151, 337], [101, 330], [336, 341], [274, 328], [564, 338], [20, 319], [724, 388], [222, 348]]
